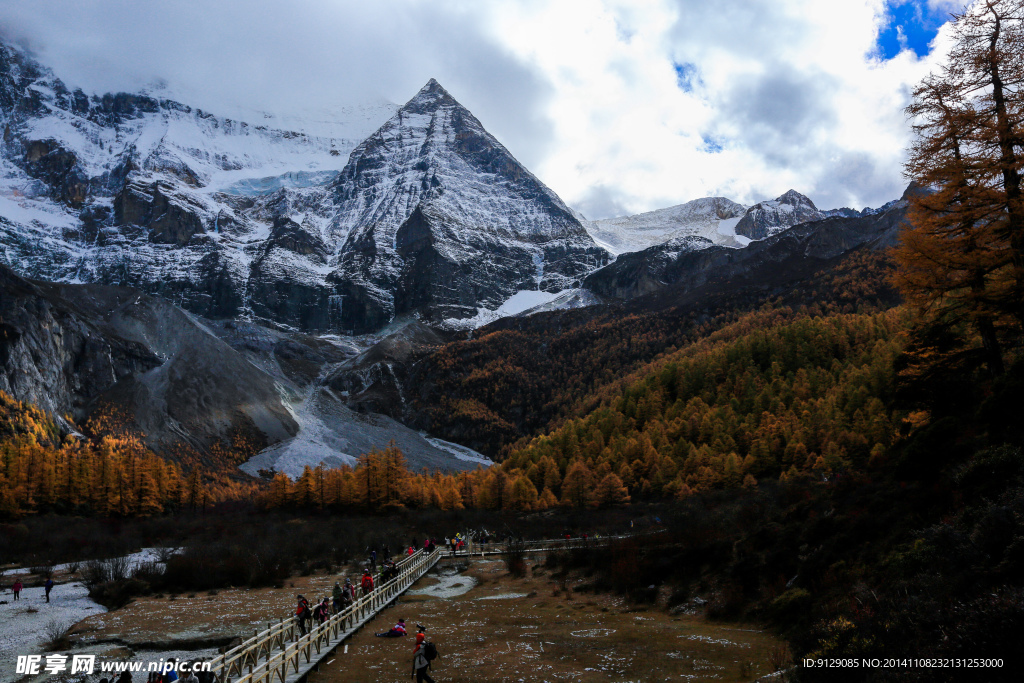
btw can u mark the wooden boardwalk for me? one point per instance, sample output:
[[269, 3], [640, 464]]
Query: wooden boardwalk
[[281, 653]]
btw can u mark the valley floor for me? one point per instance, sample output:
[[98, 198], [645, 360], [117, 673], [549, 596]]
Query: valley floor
[[489, 626]]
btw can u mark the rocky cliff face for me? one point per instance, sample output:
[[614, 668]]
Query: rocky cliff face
[[76, 349], [442, 220]]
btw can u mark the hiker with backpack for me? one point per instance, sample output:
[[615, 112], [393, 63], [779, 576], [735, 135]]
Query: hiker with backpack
[[422, 656], [367, 582], [322, 612], [302, 613]]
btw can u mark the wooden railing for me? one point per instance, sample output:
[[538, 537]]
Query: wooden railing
[[543, 545], [281, 649]]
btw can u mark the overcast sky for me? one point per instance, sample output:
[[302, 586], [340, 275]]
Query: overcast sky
[[620, 106]]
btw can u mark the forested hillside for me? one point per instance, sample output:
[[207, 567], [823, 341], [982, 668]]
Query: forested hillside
[[766, 396], [521, 377]]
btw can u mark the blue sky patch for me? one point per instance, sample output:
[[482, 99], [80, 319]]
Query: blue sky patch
[[687, 77], [711, 144], [912, 25]]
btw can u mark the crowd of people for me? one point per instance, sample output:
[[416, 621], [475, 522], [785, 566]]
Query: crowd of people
[[343, 595]]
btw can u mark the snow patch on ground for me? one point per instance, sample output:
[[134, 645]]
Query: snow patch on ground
[[23, 631], [503, 596], [447, 586], [333, 434], [520, 302], [727, 228], [460, 452], [144, 556]]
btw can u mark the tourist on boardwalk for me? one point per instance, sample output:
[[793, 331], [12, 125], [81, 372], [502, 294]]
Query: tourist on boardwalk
[[48, 586], [190, 676], [367, 582], [302, 613], [420, 663], [16, 589], [320, 612], [397, 631], [125, 677], [337, 593], [350, 589]]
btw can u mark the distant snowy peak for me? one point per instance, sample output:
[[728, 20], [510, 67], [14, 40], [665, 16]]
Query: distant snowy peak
[[769, 217], [709, 217], [441, 220]]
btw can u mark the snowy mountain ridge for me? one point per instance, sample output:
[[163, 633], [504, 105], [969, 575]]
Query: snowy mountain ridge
[[700, 217], [236, 220]]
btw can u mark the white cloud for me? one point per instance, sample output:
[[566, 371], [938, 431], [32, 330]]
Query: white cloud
[[781, 94]]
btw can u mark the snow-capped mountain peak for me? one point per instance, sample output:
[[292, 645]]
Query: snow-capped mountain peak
[[769, 217], [441, 220]]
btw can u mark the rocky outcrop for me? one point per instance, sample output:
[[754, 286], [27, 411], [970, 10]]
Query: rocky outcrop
[[49, 161], [56, 358], [169, 218]]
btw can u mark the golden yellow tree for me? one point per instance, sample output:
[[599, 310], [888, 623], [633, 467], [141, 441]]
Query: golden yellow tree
[[962, 260]]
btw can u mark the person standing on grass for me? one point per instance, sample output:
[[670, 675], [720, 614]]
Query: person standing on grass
[[48, 586], [420, 663], [16, 589]]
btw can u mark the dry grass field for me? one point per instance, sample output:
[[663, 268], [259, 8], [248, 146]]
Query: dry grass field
[[491, 627]]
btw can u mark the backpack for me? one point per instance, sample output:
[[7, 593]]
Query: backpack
[[430, 651]]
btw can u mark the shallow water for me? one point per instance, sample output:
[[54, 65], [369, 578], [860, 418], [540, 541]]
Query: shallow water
[[449, 584]]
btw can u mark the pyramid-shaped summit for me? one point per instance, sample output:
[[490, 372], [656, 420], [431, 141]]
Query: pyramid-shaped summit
[[442, 220]]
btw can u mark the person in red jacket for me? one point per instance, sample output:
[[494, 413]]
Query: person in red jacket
[[302, 613], [16, 589], [367, 582]]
